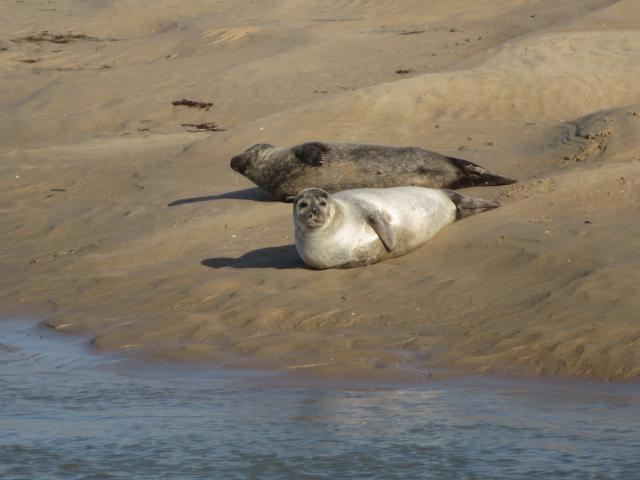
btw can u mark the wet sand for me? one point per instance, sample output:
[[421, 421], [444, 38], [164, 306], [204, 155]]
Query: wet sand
[[121, 219]]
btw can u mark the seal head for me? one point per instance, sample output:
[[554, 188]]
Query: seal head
[[245, 162], [313, 209]]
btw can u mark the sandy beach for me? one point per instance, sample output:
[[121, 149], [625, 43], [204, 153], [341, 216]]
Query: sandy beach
[[121, 219]]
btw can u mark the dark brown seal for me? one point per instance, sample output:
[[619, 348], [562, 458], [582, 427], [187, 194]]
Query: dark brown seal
[[284, 172]]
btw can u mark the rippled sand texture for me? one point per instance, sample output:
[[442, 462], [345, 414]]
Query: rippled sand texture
[[121, 218]]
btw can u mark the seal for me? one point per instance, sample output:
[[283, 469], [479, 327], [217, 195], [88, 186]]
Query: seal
[[359, 227], [283, 172]]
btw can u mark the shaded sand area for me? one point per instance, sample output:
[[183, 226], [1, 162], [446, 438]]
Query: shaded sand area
[[120, 217]]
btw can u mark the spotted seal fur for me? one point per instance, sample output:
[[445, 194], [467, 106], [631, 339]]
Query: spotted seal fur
[[283, 172]]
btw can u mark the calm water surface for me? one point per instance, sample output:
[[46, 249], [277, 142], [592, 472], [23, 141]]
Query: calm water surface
[[66, 413]]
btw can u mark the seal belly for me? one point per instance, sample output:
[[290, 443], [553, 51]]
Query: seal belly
[[353, 244], [415, 214], [360, 246], [428, 212]]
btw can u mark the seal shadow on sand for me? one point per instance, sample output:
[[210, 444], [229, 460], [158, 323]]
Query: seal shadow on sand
[[254, 194], [282, 257]]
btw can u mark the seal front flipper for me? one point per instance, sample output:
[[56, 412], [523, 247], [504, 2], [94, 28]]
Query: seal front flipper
[[311, 153], [383, 229]]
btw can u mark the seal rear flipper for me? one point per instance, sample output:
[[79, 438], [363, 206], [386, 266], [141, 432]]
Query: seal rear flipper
[[383, 229], [473, 174], [311, 153], [467, 206]]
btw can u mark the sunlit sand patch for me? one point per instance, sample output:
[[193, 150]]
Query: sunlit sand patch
[[228, 35]]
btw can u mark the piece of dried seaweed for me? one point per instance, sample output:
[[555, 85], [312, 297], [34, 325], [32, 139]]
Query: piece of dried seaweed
[[202, 127], [192, 104], [411, 32], [46, 36]]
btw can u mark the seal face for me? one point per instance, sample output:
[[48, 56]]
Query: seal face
[[363, 226], [284, 172], [313, 209], [241, 163]]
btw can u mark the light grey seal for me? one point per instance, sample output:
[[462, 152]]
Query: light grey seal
[[362, 226], [284, 172]]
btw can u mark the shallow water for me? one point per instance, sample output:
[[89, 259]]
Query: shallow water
[[67, 413]]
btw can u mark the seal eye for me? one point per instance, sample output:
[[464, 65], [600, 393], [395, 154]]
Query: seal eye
[[323, 203], [303, 205]]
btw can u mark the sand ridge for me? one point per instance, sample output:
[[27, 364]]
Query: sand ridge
[[120, 222]]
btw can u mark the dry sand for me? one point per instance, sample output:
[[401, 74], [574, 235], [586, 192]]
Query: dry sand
[[120, 222]]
